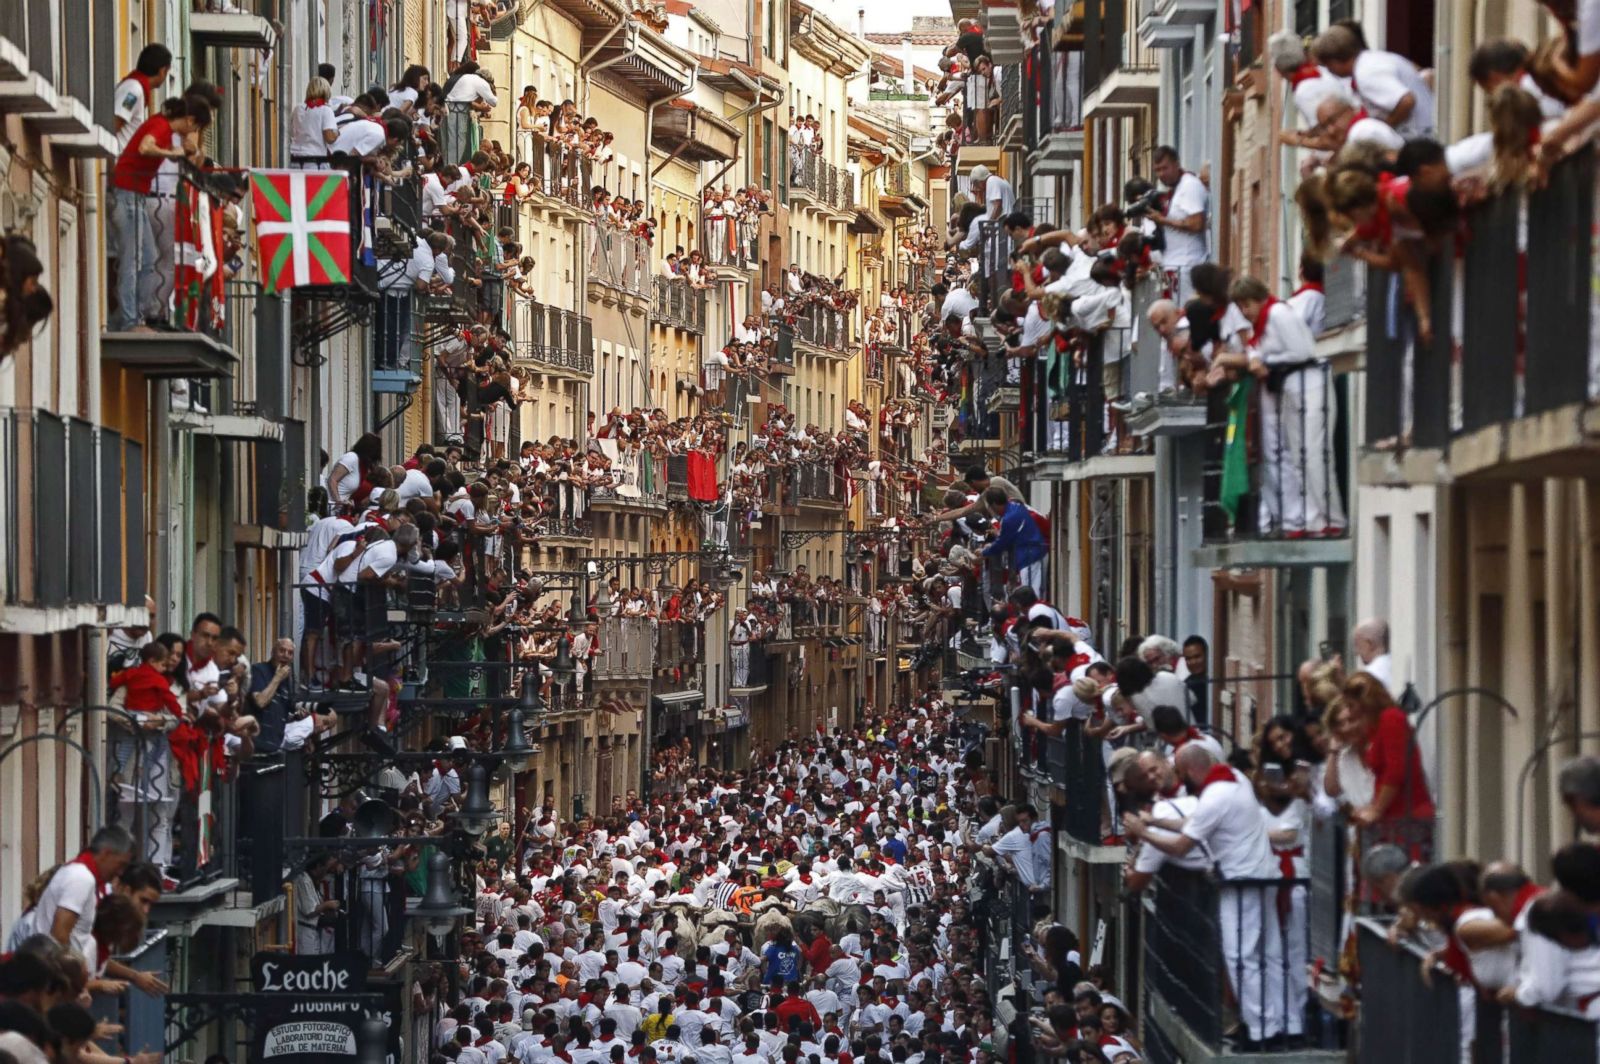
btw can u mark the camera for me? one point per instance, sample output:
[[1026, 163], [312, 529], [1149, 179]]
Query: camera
[[1143, 205]]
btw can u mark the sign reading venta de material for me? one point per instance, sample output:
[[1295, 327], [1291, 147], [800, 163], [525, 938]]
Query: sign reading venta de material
[[300, 1027]]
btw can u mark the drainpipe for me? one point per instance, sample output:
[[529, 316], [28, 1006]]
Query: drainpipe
[[905, 60], [629, 44]]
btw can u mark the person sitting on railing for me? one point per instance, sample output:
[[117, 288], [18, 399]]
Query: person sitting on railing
[[1227, 823]]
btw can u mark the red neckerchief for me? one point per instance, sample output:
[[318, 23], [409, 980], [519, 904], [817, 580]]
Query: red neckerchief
[[1309, 286], [1258, 327], [1188, 737], [312, 105], [1307, 72], [188, 657], [87, 860], [1217, 774], [149, 89], [1524, 896]]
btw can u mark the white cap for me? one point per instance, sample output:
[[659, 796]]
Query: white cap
[[979, 173]]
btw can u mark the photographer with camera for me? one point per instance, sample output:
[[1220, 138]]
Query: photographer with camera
[[1183, 221]]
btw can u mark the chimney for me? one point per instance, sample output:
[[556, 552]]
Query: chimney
[[861, 23], [905, 57]]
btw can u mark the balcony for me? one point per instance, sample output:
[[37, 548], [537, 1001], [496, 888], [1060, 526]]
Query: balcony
[[638, 480], [694, 134], [677, 479], [817, 184], [1053, 118], [1172, 23], [72, 130], [1414, 1021], [74, 550], [1520, 404], [562, 176], [1187, 978], [823, 332], [1075, 765], [730, 243], [240, 27], [782, 363], [552, 339], [627, 650], [679, 306], [1068, 439], [1277, 500], [193, 345], [619, 268], [1157, 406], [680, 653], [751, 672], [818, 484], [1120, 73]]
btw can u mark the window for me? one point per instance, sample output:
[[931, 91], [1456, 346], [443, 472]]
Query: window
[[766, 153], [783, 167], [770, 14], [1305, 17]]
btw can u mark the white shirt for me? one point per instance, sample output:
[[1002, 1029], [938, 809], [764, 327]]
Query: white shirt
[[1588, 27], [319, 540], [470, 87], [1380, 668], [1375, 131], [414, 486], [1149, 859], [1189, 198], [360, 136], [1312, 306], [128, 104], [1165, 690], [1227, 821], [72, 888], [1286, 339], [1382, 79], [998, 190], [1020, 846], [959, 302], [1309, 94], [352, 477], [306, 128], [380, 558]]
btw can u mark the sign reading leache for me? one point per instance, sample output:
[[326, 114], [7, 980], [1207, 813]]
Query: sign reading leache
[[299, 1026]]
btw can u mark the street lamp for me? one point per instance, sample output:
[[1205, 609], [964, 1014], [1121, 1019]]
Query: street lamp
[[477, 815], [439, 911], [517, 750]]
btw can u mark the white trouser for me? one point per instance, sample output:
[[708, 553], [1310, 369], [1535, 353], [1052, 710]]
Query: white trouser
[[1033, 576], [1271, 486], [1295, 950], [154, 834], [1252, 950], [1299, 489], [741, 664]]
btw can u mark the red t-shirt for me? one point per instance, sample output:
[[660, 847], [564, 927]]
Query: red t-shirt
[[1396, 761], [796, 1008], [135, 172], [819, 954]]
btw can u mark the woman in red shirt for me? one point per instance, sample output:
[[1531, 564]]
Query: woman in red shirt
[[1400, 789]]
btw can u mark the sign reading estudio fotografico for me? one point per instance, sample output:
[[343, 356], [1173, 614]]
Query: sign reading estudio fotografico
[[299, 1027]]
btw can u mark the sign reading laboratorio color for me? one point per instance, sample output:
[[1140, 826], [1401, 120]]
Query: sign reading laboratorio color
[[300, 1027]]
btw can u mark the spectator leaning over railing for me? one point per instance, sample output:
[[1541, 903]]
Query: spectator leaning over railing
[[1388, 85], [1227, 822]]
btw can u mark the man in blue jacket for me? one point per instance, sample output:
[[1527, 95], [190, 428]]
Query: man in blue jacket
[[1019, 534]]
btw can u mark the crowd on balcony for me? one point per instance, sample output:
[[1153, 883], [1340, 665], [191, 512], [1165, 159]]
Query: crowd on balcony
[[630, 930], [732, 223]]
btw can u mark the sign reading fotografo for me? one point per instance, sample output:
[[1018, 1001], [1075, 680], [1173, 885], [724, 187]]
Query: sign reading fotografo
[[312, 1022]]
